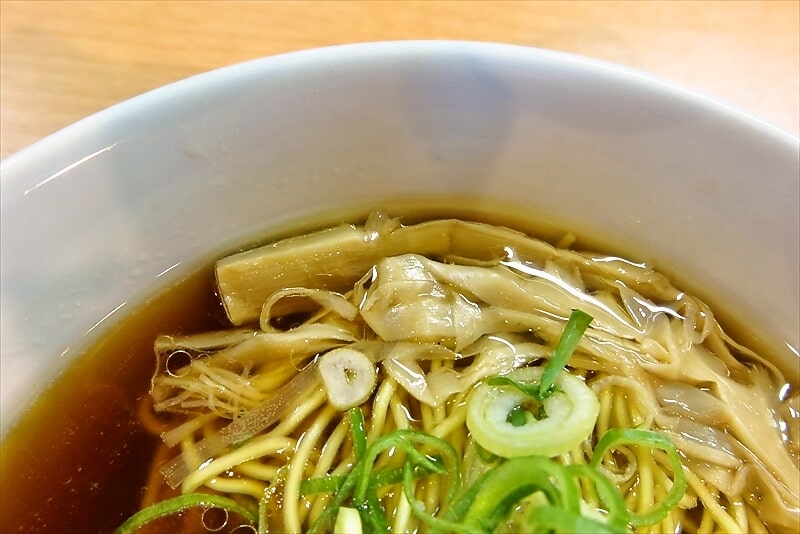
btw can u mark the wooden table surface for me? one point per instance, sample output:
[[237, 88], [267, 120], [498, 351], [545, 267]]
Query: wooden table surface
[[61, 61]]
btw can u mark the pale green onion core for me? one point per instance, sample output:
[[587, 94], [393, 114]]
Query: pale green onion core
[[536, 410]]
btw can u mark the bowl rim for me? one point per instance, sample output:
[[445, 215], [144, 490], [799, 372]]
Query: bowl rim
[[153, 99]]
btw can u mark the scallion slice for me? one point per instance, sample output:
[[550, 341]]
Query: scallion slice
[[570, 416], [577, 324], [655, 440], [178, 504]]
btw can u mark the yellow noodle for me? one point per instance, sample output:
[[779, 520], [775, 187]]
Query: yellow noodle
[[318, 506], [389, 499], [686, 520], [297, 468], [303, 509], [276, 377], [754, 523], [662, 483], [440, 411], [189, 452], [427, 418], [620, 410], [397, 408], [645, 486], [452, 423], [379, 408], [642, 404], [257, 447], [457, 439], [402, 514], [208, 430], [256, 469], [689, 499], [740, 514], [243, 486], [711, 503], [577, 456], [708, 523], [604, 416], [669, 524], [627, 399], [331, 448], [659, 492], [431, 493], [295, 417]]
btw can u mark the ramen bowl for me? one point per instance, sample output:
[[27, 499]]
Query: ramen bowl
[[101, 215]]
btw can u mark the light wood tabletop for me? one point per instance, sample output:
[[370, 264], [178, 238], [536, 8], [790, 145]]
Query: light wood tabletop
[[62, 61]]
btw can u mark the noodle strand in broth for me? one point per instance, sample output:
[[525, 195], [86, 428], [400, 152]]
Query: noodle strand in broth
[[439, 310]]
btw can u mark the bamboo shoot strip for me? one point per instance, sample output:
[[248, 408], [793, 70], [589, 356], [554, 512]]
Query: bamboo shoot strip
[[336, 258], [332, 259]]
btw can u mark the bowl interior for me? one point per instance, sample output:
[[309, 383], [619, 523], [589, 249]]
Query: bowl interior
[[98, 216]]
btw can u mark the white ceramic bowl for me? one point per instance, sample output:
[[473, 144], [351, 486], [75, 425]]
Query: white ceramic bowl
[[99, 215]]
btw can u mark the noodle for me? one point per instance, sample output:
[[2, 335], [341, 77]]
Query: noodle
[[291, 514], [256, 448], [654, 357]]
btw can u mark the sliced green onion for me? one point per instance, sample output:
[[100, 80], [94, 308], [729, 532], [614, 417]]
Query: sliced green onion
[[384, 477], [438, 524], [361, 483], [358, 431], [326, 484], [553, 520], [577, 324], [517, 416], [488, 502], [571, 414], [655, 440], [345, 487], [181, 503], [531, 390], [263, 511], [504, 486], [404, 440], [492, 498], [610, 497], [494, 495], [372, 513], [344, 492], [485, 456]]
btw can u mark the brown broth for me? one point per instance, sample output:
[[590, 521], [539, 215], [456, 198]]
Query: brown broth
[[78, 460]]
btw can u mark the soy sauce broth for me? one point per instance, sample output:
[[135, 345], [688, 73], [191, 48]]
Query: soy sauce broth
[[78, 459]]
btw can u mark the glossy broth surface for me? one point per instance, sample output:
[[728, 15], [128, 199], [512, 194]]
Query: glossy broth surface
[[78, 460]]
